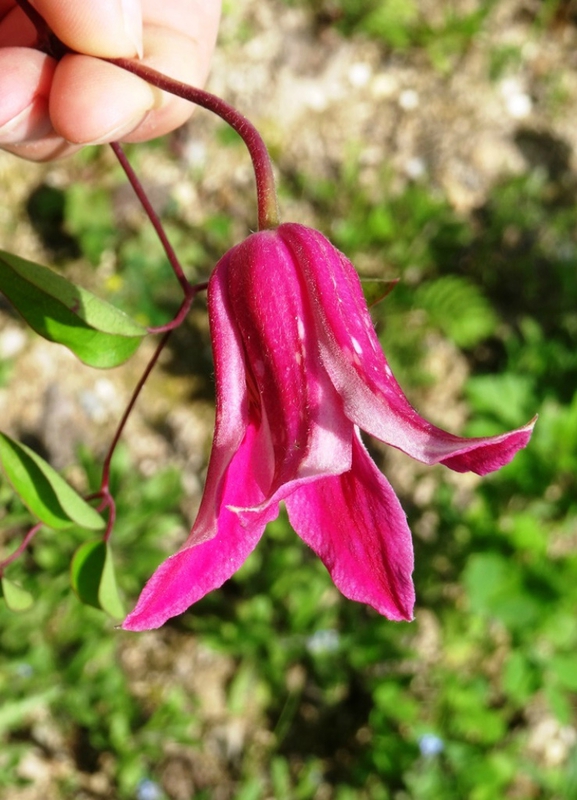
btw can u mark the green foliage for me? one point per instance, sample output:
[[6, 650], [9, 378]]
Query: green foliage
[[88, 217], [59, 659], [93, 579], [98, 333], [47, 495], [458, 309], [402, 24], [331, 700]]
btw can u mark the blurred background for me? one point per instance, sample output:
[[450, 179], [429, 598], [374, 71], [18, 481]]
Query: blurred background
[[434, 142]]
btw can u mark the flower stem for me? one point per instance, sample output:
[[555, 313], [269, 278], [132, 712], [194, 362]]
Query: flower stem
[[21, 547], [152, 216], [268, 215], [47, 41], [104, 486]]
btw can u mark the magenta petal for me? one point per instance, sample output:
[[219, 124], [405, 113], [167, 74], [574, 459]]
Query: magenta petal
[[355, 524], [298, 370], [308, 431], [231, 407], [352, 355], [188, 575], [484, 455]]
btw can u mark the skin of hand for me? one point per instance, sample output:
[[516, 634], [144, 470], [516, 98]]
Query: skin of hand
[[49, 109]]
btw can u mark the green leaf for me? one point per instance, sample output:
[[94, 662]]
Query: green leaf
[[86, 571], [42, 490], [108, 594], [376, 289], [16, 598], [97, 332], [93, 579]]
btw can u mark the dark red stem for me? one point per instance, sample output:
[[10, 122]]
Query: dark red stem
[[268, 216], [104, 486], [21, 547], [47, 41], [152, 216]]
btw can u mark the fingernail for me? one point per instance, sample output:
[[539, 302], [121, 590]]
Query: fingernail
[[30, 124], [120, 130], [132, 17]]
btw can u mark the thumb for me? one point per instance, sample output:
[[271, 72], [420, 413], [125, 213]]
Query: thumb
[[109, 28]]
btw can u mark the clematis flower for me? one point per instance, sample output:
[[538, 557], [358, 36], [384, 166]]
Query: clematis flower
[[299, 370]]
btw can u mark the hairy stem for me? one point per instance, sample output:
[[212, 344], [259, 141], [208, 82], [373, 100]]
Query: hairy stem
[[21, 547], [152, 216], [105, 484], [268, 215]]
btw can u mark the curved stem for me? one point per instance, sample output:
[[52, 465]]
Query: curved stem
[[21, 547], [47, 41], [105, 484], [152, 216], [268, 216], [182, 311]]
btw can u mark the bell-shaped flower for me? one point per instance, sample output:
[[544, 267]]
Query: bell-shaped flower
[[299, 370]]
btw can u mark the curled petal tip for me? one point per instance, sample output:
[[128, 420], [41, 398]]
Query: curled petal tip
[[486, 455]]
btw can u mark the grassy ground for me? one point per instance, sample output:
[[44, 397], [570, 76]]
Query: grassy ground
[[433, 142]]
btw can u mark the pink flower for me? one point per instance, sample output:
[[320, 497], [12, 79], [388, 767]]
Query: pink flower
[[299, 370]]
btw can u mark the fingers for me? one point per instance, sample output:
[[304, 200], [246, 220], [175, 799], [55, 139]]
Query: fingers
[[178, 57], [25, 80], [51, 109], [108, 28], [92, 101], [26, 77]]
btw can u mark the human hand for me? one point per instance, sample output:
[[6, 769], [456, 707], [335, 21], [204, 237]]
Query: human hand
[[51, 108]]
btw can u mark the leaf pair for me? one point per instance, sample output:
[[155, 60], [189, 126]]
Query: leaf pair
[[93, 578], [58, 506], [50, 499], [97, 332], [101, 336]]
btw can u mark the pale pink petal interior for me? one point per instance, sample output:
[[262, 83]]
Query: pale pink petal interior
[[231, 404]]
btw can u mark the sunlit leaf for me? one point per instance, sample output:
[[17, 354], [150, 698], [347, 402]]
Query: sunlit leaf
[[93, 579], [97, 332], [42, 490], [15, 597], [108, 594]]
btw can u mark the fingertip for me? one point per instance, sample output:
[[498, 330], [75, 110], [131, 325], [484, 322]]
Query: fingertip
[[109, 28], [93, 102], [25, 80], [132, 17], [179, 57]]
